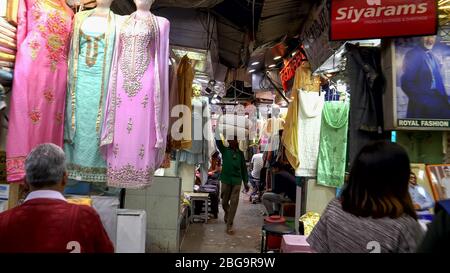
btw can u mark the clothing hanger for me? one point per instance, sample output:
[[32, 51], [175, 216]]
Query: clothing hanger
[[333, 96], [80, 5]]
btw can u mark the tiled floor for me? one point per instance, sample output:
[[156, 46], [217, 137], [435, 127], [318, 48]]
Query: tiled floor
[[211, 237]]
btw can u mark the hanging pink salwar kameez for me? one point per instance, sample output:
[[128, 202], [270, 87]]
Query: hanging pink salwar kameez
[[137, 115], [39, 89]]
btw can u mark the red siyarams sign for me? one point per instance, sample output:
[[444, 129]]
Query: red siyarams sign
[[366, 19]]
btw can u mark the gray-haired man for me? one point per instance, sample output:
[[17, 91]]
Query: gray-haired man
[[45, 222]]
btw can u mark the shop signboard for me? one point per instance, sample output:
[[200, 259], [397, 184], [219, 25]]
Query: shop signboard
[[365, 19], [316, 36], [417, 70], [290, 67]]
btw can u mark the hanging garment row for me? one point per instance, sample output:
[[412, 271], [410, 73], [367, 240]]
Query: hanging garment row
[[108, 108], [316, 139]]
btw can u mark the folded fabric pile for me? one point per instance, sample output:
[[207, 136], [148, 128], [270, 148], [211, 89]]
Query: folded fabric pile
[[2, 98], [86, 201], [8, 47]]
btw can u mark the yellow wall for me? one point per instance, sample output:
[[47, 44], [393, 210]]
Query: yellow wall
[[318, 197]]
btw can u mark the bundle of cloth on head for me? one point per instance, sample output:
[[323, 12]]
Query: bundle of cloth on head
[[231, 126]]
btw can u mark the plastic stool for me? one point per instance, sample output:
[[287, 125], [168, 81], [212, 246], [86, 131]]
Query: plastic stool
[[274, 219], [272, 235]]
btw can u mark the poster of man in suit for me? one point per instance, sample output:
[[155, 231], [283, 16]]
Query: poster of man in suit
[[439, 176], [422, 82]]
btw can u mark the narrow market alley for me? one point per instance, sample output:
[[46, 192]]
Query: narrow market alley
[[212, 238]]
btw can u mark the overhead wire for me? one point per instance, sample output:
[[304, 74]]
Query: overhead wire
[[253, 20]]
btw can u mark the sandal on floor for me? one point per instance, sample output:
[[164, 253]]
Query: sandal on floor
[[230, 231]]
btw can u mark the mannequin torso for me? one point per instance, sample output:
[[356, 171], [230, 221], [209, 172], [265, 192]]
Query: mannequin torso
[[98, 21], [95, 24]]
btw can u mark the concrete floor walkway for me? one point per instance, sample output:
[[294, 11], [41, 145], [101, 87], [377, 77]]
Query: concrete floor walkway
[[212, 238]]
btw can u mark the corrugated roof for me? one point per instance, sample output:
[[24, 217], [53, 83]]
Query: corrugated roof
[[127, 6], [273, 20], [282, 17], [235, 21], [231, 43], [187, 3]]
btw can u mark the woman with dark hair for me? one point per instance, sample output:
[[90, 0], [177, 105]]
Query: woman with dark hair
[[375, 212]]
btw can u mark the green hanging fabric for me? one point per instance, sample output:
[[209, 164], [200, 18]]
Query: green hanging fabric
[[333, 144]]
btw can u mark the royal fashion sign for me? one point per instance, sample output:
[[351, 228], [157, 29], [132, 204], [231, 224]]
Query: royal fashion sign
[[366, 19], [417, 93]]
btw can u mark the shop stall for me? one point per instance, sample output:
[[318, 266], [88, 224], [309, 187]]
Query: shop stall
[[349, 88], [8, 52], [78, 71], [143, 98]]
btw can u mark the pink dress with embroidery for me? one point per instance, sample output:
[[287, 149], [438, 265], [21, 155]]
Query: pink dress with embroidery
[[134, 133], [39, 89]]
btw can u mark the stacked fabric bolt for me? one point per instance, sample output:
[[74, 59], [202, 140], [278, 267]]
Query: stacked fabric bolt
[[2, 98], [234, 125], [86, 201], [8, 47]]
